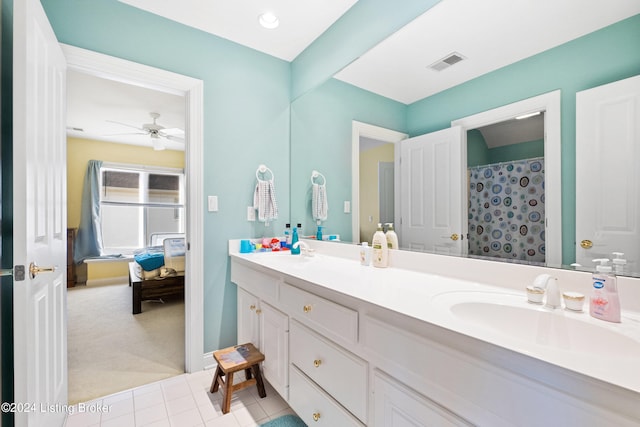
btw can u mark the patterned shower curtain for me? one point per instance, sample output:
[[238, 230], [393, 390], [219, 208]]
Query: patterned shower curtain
[[506, 210]]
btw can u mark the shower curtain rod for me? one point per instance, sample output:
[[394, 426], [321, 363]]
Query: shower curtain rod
[[504, 163]]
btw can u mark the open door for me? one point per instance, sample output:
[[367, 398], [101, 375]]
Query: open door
[[39, 206], [607, 177], [432, 193]]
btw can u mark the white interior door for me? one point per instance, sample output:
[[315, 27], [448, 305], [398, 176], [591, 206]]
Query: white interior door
[[432, 192], [607, 176], [39, 234]]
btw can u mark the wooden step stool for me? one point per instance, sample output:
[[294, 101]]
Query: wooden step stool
[[231, 360]]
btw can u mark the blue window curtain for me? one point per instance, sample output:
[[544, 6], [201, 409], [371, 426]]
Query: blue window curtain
[[89, 238]]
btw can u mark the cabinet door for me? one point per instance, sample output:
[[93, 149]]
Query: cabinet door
[[274, 344], [248, 318], [396, 405]]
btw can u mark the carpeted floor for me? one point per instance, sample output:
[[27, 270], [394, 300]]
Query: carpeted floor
[[110, 349]]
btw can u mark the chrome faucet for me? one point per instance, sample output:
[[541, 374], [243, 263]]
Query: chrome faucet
[[305, 249], [550, 285]]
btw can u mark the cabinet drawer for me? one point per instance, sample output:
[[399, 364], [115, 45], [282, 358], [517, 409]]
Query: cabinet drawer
[[324, 316], [340, 373], [396, 404], [314, 406], [260, 284]]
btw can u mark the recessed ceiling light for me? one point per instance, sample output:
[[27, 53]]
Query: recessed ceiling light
[[269, 20]]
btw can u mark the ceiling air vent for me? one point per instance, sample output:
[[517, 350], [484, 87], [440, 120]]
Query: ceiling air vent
[[447, 61]]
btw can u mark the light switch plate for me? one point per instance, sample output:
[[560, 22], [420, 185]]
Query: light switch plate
[[347, 206], [213, 203], [251, 213]]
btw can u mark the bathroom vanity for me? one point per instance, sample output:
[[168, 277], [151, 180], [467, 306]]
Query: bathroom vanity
[[422, 343]]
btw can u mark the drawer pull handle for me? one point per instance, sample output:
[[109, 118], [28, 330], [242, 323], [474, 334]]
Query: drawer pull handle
[[258, 311], [316, 416], [317, 363], [252, 307], [306, 308]]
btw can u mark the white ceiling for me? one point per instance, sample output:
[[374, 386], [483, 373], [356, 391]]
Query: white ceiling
[[301, 22], [489, 33]]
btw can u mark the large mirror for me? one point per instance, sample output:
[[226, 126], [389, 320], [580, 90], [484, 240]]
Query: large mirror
[[326, 121]]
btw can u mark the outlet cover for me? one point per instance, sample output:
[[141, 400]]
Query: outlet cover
[[251, 213]]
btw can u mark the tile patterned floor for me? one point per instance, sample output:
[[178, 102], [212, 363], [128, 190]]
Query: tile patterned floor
[[179, 401]]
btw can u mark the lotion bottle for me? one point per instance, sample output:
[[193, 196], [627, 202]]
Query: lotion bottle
[[380, 248], [392, 237], [605, 302]]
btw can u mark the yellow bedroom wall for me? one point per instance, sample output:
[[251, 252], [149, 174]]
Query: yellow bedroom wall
[[369, 199], [79, 152]]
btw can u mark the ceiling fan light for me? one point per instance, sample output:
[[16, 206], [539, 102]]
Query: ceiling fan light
[[268, 20], [157, 144]]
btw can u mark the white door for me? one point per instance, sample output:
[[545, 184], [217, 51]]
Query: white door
[[39, 232], [431, 173], [607, 174]]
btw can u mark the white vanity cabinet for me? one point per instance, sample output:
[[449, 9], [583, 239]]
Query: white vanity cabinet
[[263, 325], [342, 361], [248, 318]]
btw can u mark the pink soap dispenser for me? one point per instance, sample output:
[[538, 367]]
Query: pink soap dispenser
[[605, 302]]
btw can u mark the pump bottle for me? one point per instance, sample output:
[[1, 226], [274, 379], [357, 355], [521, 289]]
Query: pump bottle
[[380, 249], [605, 302]]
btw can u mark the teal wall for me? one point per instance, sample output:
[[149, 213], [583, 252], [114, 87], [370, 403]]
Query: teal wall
[[479, 154], [601, 57], [321, 140], [246, 123]]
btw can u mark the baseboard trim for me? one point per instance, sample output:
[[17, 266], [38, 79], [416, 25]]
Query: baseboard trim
[[108, 281], [208, 361]]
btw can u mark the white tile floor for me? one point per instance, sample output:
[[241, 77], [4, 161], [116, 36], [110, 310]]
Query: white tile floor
[[179, 401]]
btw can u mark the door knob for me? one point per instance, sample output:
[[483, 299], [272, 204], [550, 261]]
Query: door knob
[[586, 244], [34, 270], [454, 237]]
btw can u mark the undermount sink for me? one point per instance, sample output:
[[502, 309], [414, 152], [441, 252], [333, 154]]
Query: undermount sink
[[511, 315]]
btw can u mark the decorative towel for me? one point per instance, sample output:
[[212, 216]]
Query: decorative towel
[[264, 201], [319, 205]]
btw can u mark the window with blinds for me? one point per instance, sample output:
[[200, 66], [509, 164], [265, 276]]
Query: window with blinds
[[138, 203]]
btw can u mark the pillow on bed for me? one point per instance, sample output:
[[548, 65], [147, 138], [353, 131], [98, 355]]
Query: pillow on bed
[[150, 260]]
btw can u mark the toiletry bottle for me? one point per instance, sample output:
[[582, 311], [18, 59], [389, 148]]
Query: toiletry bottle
[[365, 253], [392, 237], [380, 249], [619, 263], [287, 236], [319, 233], [294, 239], [604, 303]]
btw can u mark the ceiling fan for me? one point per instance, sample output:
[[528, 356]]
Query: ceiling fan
[[155, 131]]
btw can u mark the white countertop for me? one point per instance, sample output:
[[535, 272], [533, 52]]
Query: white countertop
[[421, 295]]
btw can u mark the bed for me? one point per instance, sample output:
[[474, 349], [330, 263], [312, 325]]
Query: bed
[[157, 272]]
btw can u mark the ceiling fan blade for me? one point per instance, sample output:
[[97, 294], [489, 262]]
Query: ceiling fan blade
[[127, 133], [173, 138], [127, 125]]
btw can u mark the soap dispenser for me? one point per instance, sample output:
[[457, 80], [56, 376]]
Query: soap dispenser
[[380, 248], [295, 249], [605, 302]]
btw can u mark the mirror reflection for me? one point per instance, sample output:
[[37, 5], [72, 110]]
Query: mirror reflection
[[324, 122]]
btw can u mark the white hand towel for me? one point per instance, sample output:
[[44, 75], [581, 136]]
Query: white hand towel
[[264, 201], [319, 205]]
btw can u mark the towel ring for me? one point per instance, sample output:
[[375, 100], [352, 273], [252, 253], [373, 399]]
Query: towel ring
[[262, 169], [315, 175]]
